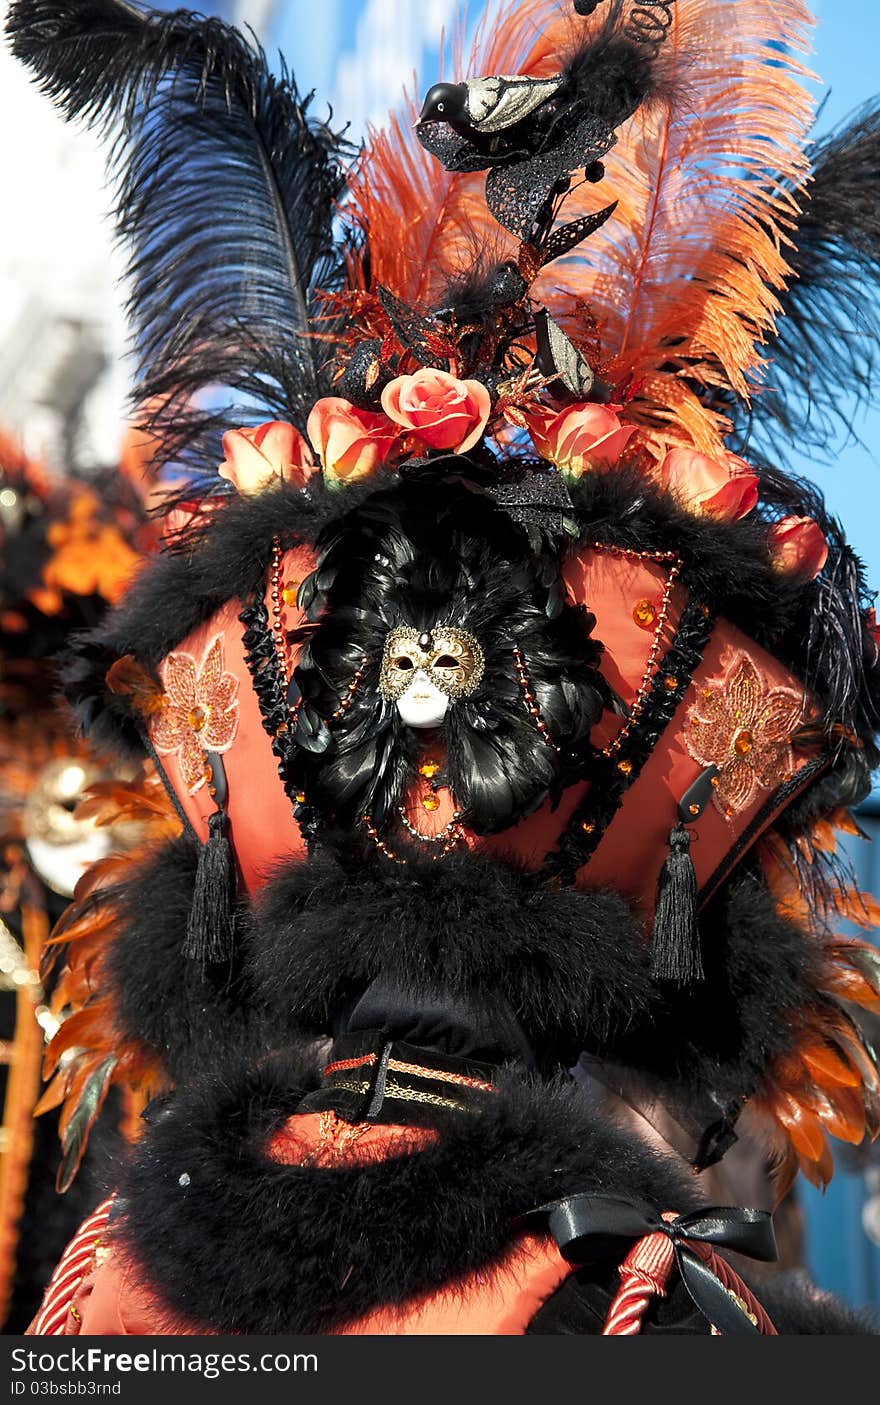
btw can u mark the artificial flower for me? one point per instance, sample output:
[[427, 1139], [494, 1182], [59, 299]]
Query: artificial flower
[[444, 412], [724, 488], [350, 442], [580, 437], [798, 548], [269, 453]]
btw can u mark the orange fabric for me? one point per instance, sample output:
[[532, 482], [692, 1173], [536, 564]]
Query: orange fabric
[[500, 1302], [262, 824], [322, 1138], [113, 1302], [630, 854]]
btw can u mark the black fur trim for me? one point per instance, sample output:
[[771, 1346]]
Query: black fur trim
[[187, 1016], [572, 966], [797, 1307], [761, 973], [250, 1246]]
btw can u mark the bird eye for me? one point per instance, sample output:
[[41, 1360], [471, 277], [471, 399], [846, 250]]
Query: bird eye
[[441, 107], [404, 663]]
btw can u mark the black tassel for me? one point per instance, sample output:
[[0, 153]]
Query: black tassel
[[210, 930], [675, 943]]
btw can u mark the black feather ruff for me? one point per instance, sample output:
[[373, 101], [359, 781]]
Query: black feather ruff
[[429, 553], [226, 192]]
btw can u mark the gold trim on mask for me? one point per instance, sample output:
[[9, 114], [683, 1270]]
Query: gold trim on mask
[[452, 659]]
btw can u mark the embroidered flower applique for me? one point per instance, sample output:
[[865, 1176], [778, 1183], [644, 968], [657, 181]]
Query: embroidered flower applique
[[199, 713], [743, 727]]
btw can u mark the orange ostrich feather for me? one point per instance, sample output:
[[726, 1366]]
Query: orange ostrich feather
[[683, 278], [828, 1084]]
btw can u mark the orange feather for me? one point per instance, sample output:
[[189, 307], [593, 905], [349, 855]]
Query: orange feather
[[683, 278]]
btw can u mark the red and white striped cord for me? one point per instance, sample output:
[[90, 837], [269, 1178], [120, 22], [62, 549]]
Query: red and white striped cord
[[645, 1272], [76, 1261]]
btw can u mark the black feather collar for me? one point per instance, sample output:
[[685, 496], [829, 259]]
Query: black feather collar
[[250, 1246]]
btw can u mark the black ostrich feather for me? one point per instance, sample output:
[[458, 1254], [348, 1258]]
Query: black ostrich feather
[[225, 194], [823, 362]]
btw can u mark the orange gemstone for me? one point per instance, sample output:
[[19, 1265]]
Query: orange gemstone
[[430, 802], [645, 614], [300, 797], [587, 827], [289, 593], [694, 809], [670, 683], [429, 770], [625, 767], [198, 717], [743, 743]]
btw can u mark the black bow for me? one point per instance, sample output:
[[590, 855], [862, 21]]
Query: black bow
[[592, 1227]]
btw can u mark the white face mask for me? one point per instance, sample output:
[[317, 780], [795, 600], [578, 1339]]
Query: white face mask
[[422, 705]]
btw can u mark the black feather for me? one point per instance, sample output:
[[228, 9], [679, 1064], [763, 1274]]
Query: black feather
[[226, 192], [429, 552], [822, 364]]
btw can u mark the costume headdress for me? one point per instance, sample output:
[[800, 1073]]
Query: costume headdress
[[488, 449]]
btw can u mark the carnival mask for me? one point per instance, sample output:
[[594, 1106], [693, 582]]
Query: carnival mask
[[61, 845], [421, 672]]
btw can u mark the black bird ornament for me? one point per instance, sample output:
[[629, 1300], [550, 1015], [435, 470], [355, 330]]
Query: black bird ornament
[[532, 134], [487, 106]]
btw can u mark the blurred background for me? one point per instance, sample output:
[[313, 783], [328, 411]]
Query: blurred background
[[63, 376]]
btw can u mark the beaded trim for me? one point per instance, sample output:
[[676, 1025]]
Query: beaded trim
[[644, 688], [448, 838], [276, 594], [348, 696], [417, 1070], [399, 1093], [445, 833], [264, 666], [529, 698], [610, 778], [262, 661]]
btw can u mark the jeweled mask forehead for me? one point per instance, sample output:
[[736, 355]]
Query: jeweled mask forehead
[[452, 659]]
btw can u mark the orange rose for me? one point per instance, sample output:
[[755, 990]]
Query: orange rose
[[272, 452], [444, 412], [724, 488], [797, 547], [349, 441], [580, 437]]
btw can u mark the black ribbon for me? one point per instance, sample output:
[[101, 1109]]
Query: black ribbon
[[588, 1228]]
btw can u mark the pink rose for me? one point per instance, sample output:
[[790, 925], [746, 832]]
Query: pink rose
[[350, 442], [444, 412], [255, 458], [579, 437], [797, 547], [724, 488]]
